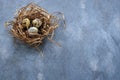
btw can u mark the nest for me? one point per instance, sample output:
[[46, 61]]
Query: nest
[[46, 29]]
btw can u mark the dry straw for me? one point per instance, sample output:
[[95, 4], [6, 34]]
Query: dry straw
[[46, 30]]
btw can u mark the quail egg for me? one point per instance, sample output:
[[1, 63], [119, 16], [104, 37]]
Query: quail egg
[[32, 30], [37, 22], [26, 23]]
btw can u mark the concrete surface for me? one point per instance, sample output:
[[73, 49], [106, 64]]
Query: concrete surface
[[91, 43]]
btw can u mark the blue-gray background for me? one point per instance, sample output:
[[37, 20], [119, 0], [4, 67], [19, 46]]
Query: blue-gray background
[[91, 43]]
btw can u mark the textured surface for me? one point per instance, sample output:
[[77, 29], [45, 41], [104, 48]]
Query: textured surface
[[91, 43]]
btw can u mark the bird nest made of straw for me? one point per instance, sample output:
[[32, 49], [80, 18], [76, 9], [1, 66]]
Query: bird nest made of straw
[[32, 24]]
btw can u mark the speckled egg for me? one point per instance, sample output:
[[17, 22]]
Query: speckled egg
[[37, 22]]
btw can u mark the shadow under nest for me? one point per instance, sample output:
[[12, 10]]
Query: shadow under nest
[[46, 30]]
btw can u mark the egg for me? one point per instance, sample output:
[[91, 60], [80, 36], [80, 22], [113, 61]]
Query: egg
[[32, 30], [26, 23], [37, 22]]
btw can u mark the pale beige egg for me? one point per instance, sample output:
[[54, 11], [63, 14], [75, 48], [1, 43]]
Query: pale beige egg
[[26, 23], [37, 22]]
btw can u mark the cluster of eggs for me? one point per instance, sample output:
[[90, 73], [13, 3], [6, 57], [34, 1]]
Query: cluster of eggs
[[36, 23]]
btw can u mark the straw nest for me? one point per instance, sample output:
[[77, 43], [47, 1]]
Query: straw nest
[[32, 11]]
